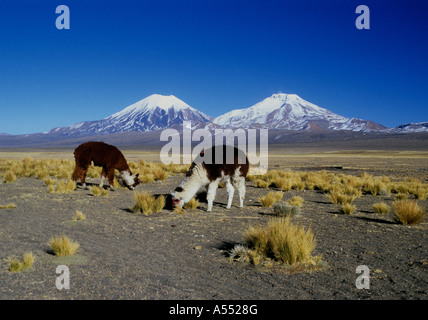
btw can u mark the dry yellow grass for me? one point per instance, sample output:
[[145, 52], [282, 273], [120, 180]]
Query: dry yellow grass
[[347, 208], [98, 191], [282, 240], [408, 212], [63, 186], [147, 204], [270, 198], [179, 210], [8, 206], [79, 216], [159, 204], [192, 204], [63, 246], [16, 265], [9, 177], [296, 201], [259, 183], [381, 208]]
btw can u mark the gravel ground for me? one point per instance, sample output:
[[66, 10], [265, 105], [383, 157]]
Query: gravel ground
[[168, 256]]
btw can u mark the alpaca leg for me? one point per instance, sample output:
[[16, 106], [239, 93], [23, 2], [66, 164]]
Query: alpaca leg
[[103, 176], [83, 177], [239, 183], [212, 189], [76, 173], [230, 191], [110, 176]]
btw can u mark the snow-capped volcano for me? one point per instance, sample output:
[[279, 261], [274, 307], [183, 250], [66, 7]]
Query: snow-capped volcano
[[412, 127], [152, 113], [289, 111]]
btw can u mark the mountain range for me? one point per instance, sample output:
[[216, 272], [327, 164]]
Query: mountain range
[[279, 113], [155, 112]]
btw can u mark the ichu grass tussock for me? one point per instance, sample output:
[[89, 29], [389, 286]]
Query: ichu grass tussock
[[408, 212], [18, 266], [147, 204], [63, 246], [98, 191], [282, 241], [79, 216], [381, 208], [271, 198], [9, 177], [192, 204], [296, 201]]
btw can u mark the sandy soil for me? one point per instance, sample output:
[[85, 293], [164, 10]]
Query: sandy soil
[[171, 256]]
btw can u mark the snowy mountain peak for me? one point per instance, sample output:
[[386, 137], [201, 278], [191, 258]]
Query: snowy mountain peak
[[289, 111], [151, 103], [152, 113], [412, 127]]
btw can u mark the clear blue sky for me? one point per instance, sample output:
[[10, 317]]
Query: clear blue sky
[[215, 55]]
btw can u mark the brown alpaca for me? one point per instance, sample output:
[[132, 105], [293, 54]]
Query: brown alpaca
[[106, 156]]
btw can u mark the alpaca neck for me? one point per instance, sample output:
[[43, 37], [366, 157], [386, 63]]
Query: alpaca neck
[[193, 183]]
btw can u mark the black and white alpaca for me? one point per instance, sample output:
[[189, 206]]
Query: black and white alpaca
[[216, 164]]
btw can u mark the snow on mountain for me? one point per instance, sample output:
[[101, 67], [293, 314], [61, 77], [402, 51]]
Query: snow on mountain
[[152, 113], [289, 111], [412, 127]]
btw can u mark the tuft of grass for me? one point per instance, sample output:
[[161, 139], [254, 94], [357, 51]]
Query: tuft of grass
[[282, 241], [284, 209], [64, 186], [259, 183], [340, 197], [408, 212], [147, 178], [296, 201], [63, 246], [8, 206], [179, 210], [99, 191], [95, 190], [147, 204], [104, 192], [49, 182], [347, 208], [144, 203], [271, 198], [192, 204], [159, 204], [9, 177], [282, 183], [79, 216], [401, 196], [381, 208], [159, 174], [18, 266], [420, 193]]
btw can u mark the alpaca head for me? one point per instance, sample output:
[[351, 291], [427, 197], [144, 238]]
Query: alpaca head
[[130, 180], [179, 197]]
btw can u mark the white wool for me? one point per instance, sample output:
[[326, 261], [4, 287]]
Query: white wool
[[199, 178], [191, 184], [127, 178]]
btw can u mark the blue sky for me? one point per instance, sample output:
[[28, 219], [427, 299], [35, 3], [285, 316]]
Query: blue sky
[[214, 55]]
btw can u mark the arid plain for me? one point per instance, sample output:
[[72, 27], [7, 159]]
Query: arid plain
[[166, 255]]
